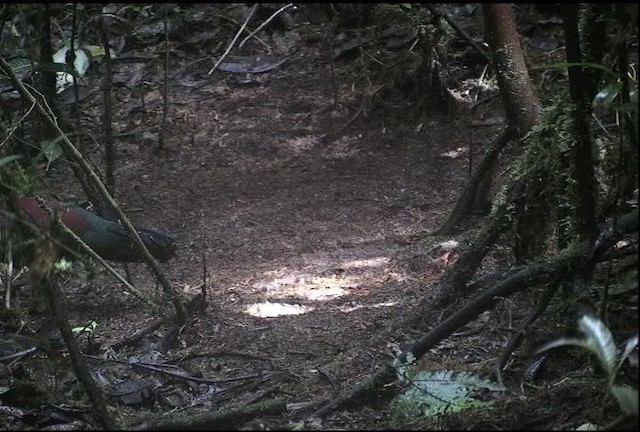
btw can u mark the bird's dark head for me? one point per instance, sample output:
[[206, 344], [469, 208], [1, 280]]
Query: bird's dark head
[[161, 246]]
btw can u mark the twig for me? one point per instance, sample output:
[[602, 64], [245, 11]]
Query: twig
[[109, 151], [95, 181], [138, 335], [334, 84], [43, 278], [18, 355], [235, 38], [205, 283], [227, 419], [264, 23], [97, 257], [156, 368], [165, 87], [516, 338], [183, 68], [70, 60], [9, 275], [15, 127], [476, 47]]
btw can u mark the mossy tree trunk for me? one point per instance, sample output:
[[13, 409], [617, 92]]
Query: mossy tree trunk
[[520, 102], [593, 36]]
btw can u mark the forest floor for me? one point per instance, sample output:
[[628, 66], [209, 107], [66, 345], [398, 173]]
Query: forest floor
[[316, 236]]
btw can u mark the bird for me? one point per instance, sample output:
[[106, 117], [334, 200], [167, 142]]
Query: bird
[[107, 238]]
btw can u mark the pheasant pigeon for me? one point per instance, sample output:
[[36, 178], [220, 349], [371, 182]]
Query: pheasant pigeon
[[107, 238]]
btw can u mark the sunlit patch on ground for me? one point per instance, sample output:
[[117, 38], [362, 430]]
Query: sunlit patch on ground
[[309, 287], [319, 286], [455, 153], [371, 262], [269, 310]]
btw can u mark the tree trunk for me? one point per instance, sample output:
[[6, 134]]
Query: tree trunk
[[47, 87], [520, 102], [582, 151], [592, 31]]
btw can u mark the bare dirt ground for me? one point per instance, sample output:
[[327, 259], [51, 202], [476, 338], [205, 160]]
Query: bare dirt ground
[[310, 244]]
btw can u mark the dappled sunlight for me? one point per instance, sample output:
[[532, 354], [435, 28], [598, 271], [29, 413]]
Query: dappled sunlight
[[460, 151], [324, 279], [371, 262], [269, 310], [309, 287]]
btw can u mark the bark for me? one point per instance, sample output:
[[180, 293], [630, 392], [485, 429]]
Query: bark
[[627, 16], [520, 101], [470, 259], [592, 29], [582, 151], [523, 111], [533, 219], [478, 187], [42, 278]]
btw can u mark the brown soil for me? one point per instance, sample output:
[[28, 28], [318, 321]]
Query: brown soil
[[325, 232]]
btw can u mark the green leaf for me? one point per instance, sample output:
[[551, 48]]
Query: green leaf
[[51, 149], [63, 264], [627, 398], [608, 94], [20, 65], [632, 342], [600, 341], [8, 159], [563, 342], [435, 392]]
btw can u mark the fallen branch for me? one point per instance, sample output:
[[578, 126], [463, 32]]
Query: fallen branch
[[564, 265], [264, 23], [476, 47], [219, 420], [233, 41], [470, 259]]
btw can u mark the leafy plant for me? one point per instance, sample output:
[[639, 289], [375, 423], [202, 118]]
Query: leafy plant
[[599, 341], [436, 392]]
